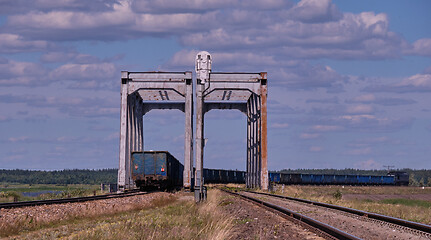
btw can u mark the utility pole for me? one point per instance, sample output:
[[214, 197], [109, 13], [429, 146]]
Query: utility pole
[[388, 167]]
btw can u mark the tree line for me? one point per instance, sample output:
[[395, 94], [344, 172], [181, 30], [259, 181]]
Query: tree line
[[74, 176], [86, 176]]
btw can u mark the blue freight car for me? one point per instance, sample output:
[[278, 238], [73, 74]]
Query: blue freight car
[[156, 169], [330, 179], [160, 169], [274, 177], [388, 180]]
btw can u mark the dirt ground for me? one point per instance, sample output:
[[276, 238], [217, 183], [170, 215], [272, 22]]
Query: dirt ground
[[253, 222], [377, 197]]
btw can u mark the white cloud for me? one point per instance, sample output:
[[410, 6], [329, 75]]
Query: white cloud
[[280, 125], [315, 149], [68, 20], [315, 11], [19, 139], [374, 141], [359, 151], [325, 128], [309, 135], [71, 106], [84, 71], [386, 101], [14, 73], [360, 109], [421, 47], [317, 30], [415, 83], [364, 98], [188, 6], [21, 6], [13, 43], [305, 76], [368, 164], [372, 123]]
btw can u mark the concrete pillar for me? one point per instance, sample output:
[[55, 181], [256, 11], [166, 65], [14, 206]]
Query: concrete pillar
[[188, 135], [199, 141], [129, 140], [123, 133]]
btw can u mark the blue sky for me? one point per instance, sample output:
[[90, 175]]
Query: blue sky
[[349, 81]]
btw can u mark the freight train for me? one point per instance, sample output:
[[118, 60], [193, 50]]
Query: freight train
[[393, 178], [159, 169], [156, 169]]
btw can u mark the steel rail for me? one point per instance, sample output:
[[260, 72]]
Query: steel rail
[[398, 221], [335, 232], [68, 200]]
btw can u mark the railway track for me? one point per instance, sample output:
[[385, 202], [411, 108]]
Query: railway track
[[340, 222], [69, 200]]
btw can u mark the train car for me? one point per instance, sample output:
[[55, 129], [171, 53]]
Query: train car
[[159, 169], [274, 177], [388, 180], [363, 179], [223, 176], [393, 178], [306, 179], [156, 169], [328, 179], [340, 179]]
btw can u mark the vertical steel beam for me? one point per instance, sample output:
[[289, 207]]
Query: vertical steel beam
[[258, 141], [188, 135], [248, 170], [255, 143], [264, 143], [123, 133]]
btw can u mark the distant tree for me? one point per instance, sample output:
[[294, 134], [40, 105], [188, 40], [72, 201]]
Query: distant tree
[[422, 182], [412, 180]]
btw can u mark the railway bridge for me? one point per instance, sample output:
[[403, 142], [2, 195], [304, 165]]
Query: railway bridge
[[142, 92]]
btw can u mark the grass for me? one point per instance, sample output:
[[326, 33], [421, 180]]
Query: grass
[[413, 210], [8, 191], [164, 218], [407, 202]]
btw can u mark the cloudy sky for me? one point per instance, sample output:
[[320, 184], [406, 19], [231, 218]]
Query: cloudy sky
[[349, 81]]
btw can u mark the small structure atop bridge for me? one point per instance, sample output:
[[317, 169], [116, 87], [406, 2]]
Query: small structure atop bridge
[[143, 91]]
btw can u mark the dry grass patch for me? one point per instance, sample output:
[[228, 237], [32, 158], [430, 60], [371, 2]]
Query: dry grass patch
[[413, 210], [166, 219], [15, 221]]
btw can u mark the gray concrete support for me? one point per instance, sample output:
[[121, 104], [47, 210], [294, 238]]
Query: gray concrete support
[[188, 136], [124, 155], [199, 181]]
